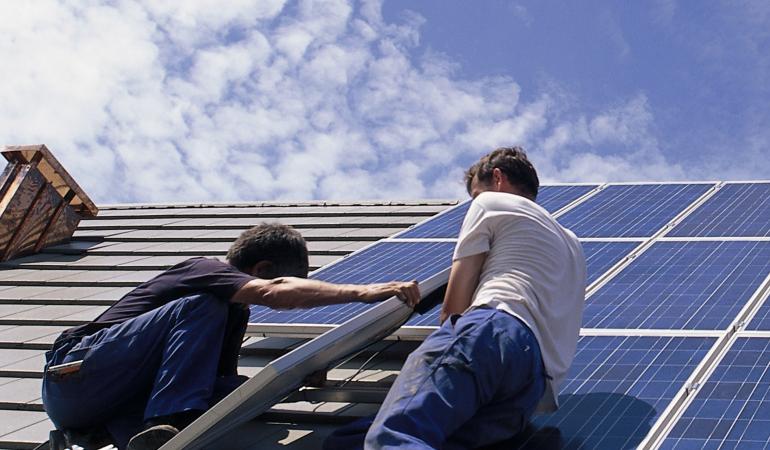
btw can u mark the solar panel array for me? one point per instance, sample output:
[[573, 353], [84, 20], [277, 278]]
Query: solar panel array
[[676, 273]]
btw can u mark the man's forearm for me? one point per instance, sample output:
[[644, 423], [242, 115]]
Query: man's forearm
[[288, 293], [463, 280]]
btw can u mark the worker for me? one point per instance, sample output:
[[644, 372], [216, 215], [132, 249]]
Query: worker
[[167, 351], [509, 321]]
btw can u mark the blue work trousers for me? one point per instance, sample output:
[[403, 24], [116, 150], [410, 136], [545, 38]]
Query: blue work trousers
[[473, 382], [162, 362]]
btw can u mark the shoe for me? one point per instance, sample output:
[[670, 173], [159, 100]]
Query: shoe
[[95, 437], [152, 438]]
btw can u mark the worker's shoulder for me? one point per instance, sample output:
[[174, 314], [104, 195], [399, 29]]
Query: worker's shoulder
[[505, 202]]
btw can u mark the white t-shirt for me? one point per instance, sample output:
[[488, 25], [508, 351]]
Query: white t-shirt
[[534, 270]]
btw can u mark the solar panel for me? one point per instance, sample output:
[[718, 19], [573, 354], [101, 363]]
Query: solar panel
[[615, 390], [731, 410], [384, 261], [738, 209], [681, 285], [600, 256], [631, 210], [448, 225]]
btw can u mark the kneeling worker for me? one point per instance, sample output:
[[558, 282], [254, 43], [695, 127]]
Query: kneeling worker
[[509, 322], [168, 350]]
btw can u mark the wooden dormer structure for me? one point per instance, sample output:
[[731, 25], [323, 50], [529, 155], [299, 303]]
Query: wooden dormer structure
[[40, 203]]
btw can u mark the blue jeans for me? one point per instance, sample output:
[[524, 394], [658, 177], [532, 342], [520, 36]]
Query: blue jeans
[[162, 362], [473, 382]]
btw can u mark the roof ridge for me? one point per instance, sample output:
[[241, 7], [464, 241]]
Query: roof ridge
[[287, 204]]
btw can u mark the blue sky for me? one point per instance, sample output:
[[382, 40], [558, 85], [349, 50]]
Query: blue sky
[[270, 99]]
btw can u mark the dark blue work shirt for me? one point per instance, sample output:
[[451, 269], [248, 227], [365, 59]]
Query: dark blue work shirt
[[195, 275]]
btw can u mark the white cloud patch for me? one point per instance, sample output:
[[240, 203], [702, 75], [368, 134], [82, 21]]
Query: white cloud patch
[[182, 101]]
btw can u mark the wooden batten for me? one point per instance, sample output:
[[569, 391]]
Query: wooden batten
[[40, 203]]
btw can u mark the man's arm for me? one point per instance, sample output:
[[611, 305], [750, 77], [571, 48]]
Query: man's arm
[[290, 292], [463, 280]]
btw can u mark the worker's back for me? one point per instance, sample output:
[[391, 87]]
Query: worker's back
[[534, 269]]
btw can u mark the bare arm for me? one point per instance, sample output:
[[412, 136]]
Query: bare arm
[[290, 292], [463, 280]]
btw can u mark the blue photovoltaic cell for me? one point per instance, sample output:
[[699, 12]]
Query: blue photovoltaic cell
[[384, 261], [600, 256], [681, 285], [740, 209], [448, 225], [554, 198], [631, 210], [731, 410], [615, 390]]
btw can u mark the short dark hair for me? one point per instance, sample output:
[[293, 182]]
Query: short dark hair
[[280, 244], [513, 162]]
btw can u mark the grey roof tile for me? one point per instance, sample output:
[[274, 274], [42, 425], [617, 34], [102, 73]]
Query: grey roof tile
[[26, 275], [11, 310], [325, 232], [30, 333], [11, 421], [134, 277], [99, 233], [20, 390], [23, 292], [109, 293], [155, 261], [43, 259], [78, 292], [353, 246], [125, 246], [31, 433], [164, 234], [322, 260], [77, 246], [11, 358], [51, 312], [6, 274], [126, 223], [180, 246], [369, 232], [68, 276], [107, 261]]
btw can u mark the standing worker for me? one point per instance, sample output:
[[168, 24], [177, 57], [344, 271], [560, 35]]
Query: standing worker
[[509, 321], [168, 350]]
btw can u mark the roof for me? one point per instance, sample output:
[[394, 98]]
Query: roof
[[676, 329], [69, 284]]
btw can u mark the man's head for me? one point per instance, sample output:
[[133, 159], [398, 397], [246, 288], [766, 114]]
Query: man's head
[[506, 169], [270, 250]]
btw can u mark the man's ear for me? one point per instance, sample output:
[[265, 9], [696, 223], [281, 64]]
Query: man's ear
[[263, 269], [497, 178]]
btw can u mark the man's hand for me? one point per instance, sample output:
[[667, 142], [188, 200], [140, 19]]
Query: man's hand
[[407, 292]]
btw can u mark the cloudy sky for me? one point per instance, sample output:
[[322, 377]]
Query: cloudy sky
[[211, 100]]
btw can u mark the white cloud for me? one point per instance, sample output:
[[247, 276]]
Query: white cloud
[[158, 101]]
